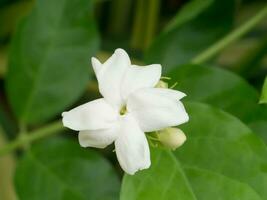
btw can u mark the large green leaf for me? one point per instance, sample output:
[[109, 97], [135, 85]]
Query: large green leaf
[[223, 89], [183, 41], [49, 58], [165, 179], [61, 170], [210, 185], [220, 143], [217, 87], [221, 160]]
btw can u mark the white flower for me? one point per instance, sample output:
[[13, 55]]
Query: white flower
[[130, 106]]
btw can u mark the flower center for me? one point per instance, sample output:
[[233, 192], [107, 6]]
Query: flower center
[[123, 110]]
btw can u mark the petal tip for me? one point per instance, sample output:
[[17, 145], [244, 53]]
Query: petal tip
[[95, 61], [139, 169], [183, 95], [120, 51], [186, 118], [96, 64], [64, 121], [122, 54], [63, 114]]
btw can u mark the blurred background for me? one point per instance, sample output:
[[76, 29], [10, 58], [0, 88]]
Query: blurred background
[[46, 45]]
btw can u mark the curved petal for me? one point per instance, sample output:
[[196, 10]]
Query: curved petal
[[96, 65], [97, 114], [138, 77], [98, 138], [156, 109], [131, 146], [110, 75], [168, 93]]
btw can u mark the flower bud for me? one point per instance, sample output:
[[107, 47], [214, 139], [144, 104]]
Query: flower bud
[[171, 137], [162, 84]]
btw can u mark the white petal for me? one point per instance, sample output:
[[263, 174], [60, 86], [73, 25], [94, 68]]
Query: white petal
[[164, 92], [97, 114], [137, 77], [131, 146], [157, 108], [111, 74], [98, 138], [96, 65]]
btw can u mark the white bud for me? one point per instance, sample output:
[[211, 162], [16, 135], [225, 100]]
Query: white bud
[[162, 84], [171, 137]]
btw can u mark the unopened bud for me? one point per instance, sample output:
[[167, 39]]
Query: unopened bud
[[171, 137], [162, 84]]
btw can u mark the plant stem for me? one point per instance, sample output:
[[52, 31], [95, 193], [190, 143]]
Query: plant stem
[[50, 129], [22, 134], [231, 37], [119, 16], [151, 21], [138, 26]]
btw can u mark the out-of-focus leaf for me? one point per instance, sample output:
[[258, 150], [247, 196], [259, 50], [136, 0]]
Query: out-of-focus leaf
[[180, 44], [49, 58], [217, 87], [188, 12], [11, 14], [249, 65], [263, 98], [60, 169], [221, 159], [6, 123], [7, 168]]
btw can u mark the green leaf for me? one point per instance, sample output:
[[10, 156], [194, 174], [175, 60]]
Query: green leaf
[[260, 127], [165, 179], [225, 90], [221, 160], [263, 98], [220, 143], [210, 185], [217, 87], [60, 169], [183, 42], [49, 58], [188, 12]]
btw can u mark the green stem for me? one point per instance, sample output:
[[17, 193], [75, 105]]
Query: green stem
[[233, 36], [138, 26], [22, 134], [119, 16], [50, 129], [151, 21]]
